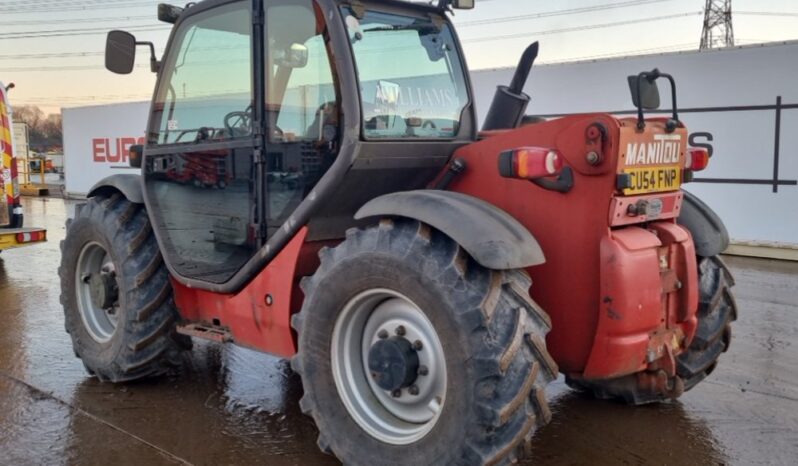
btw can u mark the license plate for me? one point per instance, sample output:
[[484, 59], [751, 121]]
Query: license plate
[[653, 180]]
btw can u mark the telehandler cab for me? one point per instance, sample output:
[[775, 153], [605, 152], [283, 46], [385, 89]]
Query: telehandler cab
[[314, 186]]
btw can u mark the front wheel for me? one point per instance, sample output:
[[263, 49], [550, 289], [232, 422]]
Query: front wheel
[[116, 293], [412, 353]]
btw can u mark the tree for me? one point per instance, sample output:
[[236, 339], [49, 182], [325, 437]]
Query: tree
[[44, 132], [51, 128], [29, 114]]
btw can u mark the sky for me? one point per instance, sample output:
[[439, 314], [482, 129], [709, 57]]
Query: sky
[[66, 69]]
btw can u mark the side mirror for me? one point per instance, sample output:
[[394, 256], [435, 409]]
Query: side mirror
[[295, 56], [120, 52], [463, 4], [645, 95], [645, 92]]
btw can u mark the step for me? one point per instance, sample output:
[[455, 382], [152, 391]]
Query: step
[[206, 332]]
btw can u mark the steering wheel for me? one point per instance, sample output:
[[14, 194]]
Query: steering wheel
[[238, 123], [429, 124]]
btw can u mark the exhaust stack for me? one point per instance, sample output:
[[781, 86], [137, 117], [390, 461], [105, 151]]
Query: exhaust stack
[[510, 102]]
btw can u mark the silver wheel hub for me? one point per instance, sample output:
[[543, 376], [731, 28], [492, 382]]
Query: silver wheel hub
[[97, 292], [389, 366]]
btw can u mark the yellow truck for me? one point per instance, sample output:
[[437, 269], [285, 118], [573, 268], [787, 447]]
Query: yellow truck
[[12, 232]]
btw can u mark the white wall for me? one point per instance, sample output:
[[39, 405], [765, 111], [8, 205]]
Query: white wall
[[743, 140], [96, 140]]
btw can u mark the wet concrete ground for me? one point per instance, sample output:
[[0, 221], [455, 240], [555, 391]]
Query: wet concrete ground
[[234, 406]]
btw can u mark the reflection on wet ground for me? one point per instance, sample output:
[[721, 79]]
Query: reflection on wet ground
[[234, 406]]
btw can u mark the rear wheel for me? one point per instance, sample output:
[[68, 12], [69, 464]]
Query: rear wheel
[[717, 309], [412, 353], [116, 293]]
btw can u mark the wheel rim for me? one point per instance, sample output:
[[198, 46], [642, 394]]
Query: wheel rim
[[97, 291], [368, 318]]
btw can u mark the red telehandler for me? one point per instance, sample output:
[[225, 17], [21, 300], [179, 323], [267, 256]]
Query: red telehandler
[[369, 231]]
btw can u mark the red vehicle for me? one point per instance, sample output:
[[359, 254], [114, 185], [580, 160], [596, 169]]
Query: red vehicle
[[397, 275], [201, 170]]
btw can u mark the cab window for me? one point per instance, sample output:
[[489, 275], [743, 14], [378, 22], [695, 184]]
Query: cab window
[[302, 105], [411, 78], [207, 89]]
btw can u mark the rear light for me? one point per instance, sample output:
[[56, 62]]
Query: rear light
[[31, 237], [697, 159], [530, 163]]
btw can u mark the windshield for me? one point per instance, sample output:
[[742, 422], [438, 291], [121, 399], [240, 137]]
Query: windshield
[[412, 82]]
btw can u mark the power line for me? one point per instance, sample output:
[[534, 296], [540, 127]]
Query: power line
[[683, 47], [766, 13], [38, 22], [59, 2], [77, 32], [80, 6], [581, 28], [570, 11], [50, 56]]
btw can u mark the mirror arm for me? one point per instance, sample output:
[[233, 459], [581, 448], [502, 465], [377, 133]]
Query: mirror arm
[[652, 76], [673, 95], [154, 64]]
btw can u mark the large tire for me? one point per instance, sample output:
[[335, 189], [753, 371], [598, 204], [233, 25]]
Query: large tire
[[136, 338], [490, 330], [717, 309]]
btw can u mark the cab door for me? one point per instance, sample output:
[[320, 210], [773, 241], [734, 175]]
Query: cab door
[[303, 106], [200, 166]]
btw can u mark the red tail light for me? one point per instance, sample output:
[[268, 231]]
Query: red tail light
[[697, 159], [530, 163], [31, 237]]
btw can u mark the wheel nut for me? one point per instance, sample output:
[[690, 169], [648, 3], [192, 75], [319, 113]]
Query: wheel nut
[[423, 370], [85, 278], [413, 390], [383, 334], [400, 330], [417, 345], [396, 393]]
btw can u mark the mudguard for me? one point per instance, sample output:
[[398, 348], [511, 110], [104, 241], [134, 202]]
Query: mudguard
[[128, 185], [490, 235], [709, 234]]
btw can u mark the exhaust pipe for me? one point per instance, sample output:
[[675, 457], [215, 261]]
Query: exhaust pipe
[[510, 103]]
